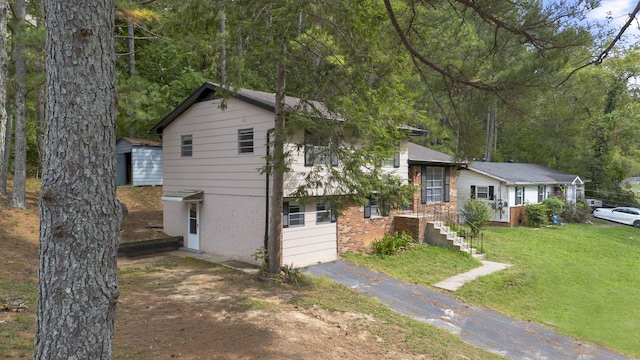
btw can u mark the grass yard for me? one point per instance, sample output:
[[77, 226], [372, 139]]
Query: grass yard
[[581, 280]]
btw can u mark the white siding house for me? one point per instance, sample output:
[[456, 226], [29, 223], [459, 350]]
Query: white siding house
[[217, 199], [507, 187], [138, 162]]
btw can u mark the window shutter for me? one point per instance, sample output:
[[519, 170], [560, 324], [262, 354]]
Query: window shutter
[[333, 208], [423, 183], [523, 197], [285, 211], [447, 184], [367, 210], [396, 160], [334, 159], [491, 193], [473, 191]]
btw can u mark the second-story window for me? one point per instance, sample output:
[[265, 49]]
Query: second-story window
[[317, 151], [245, 141], [186, 145]]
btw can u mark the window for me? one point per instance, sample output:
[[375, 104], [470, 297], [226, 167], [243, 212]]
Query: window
[[519, 195], [245, 141], [376, 208], [541, 190], [392, 162], [293, 214], [324, 212], [186, 145], [435, 184], [482, 192], [317, 151]]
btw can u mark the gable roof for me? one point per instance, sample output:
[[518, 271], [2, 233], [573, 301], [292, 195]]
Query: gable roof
[[264, 100], [420, 155], [519, 173]]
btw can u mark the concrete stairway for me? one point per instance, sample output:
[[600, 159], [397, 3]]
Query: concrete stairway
[[439, 234]]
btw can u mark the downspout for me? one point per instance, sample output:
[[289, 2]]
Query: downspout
[[266, 197]]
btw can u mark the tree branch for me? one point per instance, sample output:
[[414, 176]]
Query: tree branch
[[603, 55]]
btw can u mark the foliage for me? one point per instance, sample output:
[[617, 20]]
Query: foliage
[[554, 205], [262, 255], [391, 245], [290, 274], [477, 213], [536, 214], [578, 212]]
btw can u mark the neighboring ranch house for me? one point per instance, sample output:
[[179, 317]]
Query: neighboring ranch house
[[507, 187], [138, 162], [217, 199]]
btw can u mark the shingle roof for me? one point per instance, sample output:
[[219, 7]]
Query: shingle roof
[[422, 155], [261, 99], [519, 173], [136, 141]]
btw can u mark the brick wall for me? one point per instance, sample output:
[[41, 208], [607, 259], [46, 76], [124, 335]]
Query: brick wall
[[356, 233]]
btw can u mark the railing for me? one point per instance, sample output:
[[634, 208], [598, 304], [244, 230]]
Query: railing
[[454, 224]]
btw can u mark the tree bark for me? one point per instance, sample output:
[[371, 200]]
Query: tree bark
[[3, 92], [18, 199], [277, 171], [80, 214]]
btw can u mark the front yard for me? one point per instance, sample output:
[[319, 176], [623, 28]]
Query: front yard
[[581, 280]]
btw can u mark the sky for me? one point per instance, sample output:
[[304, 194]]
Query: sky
[[618, 11]]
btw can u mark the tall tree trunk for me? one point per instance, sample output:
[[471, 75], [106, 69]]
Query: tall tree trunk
[[80, 214], [132, 71], [223, 50], [277, 170], [18, 199], [4, 168], [3, 93], [40, 99]]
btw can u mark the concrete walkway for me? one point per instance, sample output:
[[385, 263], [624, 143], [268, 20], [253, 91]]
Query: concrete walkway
[[455, 282]]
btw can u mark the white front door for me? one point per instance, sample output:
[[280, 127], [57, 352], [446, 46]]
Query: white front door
[[193, 225]]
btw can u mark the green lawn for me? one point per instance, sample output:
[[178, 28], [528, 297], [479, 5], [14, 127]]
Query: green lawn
[[581, 280]]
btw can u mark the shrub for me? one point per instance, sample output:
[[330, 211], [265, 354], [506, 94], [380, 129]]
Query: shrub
[[579, 212], [554, 206], [476, 213], [393, 244], [537, 214]]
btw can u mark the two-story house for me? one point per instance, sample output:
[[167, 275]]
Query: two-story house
[[217, 199]]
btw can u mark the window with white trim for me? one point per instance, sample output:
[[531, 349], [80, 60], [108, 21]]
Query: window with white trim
[[482, 192], [324, 212], [519, 195], [186, 145], [317, 151], [542, 189], [432, 184], [376, 208], [293, 214], [245, 141]]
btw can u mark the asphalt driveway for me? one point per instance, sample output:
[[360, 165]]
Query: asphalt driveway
[[497, 333]]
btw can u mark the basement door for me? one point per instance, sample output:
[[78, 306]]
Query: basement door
[[193, 225]]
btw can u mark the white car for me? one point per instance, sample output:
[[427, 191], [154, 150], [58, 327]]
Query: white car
[[623, 215]]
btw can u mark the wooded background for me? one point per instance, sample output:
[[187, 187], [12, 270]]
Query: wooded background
[[494, 81]]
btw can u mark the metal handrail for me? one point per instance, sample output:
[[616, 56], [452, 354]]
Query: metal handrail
[[455, 225]]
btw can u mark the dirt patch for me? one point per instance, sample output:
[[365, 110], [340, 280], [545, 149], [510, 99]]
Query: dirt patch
[[174, 307]]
